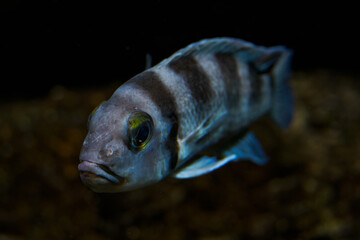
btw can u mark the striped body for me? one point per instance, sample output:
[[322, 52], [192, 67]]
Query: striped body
[[206, 93], [213, 90]]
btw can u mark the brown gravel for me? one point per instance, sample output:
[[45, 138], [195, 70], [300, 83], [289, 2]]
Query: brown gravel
[[310, 189]]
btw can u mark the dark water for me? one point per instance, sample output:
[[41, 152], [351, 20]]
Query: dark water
[[54, 52], [310, 189]]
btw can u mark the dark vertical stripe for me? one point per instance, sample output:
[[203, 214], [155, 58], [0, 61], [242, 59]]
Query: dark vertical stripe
[[173, 146], [256, 84], [160, 95], [195, 78], [229, 70]]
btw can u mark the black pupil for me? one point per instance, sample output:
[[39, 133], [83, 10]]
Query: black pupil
[[141, 134]]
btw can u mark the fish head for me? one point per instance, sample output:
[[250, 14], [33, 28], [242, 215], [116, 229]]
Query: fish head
[[126, 146]]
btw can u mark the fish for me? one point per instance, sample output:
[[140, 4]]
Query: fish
[[188, 115]]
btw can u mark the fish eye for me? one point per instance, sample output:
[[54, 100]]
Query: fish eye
[[140, 127]]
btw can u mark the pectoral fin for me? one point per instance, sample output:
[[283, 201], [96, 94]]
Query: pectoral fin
[[202, 166], [246, 148]]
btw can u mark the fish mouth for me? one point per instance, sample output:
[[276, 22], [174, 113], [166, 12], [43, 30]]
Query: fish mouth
[[97, 176]]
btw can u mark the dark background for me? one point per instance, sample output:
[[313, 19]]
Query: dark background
[[61, 59], [91, 43]]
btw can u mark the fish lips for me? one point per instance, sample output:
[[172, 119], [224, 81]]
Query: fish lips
[[99, 177]]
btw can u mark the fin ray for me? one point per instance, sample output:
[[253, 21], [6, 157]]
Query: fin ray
[[244, 50], [283, 99], [247, 148], [202, 166]]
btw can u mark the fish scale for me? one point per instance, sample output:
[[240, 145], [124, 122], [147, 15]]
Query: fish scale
[[193, 110]]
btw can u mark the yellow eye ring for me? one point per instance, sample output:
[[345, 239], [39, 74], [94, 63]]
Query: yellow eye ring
[[140, 127]]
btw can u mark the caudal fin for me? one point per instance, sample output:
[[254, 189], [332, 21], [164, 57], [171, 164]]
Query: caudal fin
[[283, 100]]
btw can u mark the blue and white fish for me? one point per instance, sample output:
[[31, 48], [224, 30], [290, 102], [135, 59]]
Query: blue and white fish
[[187, 116]]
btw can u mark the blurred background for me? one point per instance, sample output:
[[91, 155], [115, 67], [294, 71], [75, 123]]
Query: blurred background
[[60, 59]]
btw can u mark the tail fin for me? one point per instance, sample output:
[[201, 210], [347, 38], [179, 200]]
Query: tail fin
[[283, 101]]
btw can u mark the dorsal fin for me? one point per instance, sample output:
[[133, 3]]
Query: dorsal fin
[[246, 51]]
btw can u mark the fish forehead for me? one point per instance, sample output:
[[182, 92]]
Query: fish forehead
[[105, 118]]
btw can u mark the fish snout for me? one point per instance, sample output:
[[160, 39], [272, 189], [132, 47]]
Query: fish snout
[[99, 177]]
